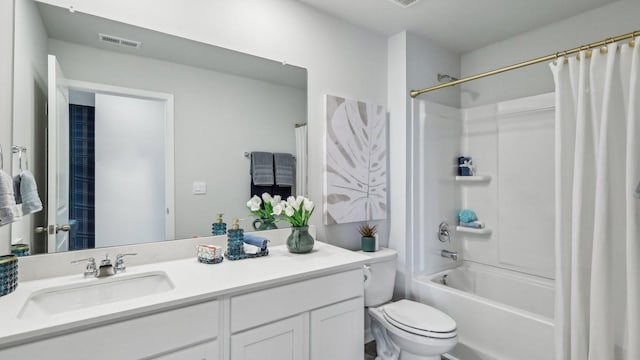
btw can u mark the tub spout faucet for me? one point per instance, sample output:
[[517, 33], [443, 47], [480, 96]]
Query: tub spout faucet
[[453, 255]]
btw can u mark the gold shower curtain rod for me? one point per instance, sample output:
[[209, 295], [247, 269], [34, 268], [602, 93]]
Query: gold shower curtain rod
[[550, 57]]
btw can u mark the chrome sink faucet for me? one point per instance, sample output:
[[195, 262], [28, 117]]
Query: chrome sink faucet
[[453, 255], [106, 268]]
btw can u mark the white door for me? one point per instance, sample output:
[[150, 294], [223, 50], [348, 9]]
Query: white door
[[337, 331], [130, 166], [58, 160], [282, 340]]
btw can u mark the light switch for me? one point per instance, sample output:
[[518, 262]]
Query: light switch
[[199, 187]]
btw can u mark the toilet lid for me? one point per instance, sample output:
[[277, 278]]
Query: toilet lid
[[420, 319]]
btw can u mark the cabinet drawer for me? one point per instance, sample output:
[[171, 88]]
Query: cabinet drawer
[[268, 305], [130, 339], [206, 351]]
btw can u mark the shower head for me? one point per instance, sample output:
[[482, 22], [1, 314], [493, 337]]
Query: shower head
[[446, 78]]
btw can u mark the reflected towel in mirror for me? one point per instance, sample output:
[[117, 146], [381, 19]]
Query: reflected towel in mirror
[[8, 209], [262, 168], [30, 199], [284, 166]]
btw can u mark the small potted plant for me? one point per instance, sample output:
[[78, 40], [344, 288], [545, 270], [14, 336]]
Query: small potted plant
[[368, 237]]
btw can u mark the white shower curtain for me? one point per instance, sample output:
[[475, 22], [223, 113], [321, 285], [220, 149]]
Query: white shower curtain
[[597, 214], [301, 160]]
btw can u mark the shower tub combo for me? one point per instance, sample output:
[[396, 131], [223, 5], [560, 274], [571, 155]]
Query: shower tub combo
[[501, 314]]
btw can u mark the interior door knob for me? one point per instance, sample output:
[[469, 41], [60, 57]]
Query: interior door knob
[[64, 228], [40, 229]]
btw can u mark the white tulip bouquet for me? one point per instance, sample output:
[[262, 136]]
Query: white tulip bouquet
[[296, 210], [264, 208]]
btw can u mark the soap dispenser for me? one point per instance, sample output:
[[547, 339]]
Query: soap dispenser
[[235, 242], [219, 227]]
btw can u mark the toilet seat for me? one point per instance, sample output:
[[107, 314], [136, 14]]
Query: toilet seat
[[420, 319]]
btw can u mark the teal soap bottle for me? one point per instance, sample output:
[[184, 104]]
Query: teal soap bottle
[[235, 242], [219, 227]]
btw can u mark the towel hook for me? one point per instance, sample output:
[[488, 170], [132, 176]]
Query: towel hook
[[20, 150]]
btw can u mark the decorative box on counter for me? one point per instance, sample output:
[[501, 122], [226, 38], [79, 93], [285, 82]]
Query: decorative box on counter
[[209, 254]]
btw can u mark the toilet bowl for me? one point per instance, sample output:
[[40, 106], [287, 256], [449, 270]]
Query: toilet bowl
[[412, 331], [405, 329]]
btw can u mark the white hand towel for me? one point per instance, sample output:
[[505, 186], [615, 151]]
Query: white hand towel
[[31, 202], [8, 209], [251, 249]]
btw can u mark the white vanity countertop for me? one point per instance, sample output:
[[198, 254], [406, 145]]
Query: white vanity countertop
[[193, 282]]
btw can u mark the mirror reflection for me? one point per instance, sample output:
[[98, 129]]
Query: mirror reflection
[[137, 136]]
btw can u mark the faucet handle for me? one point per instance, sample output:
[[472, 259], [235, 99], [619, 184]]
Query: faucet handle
[[120, 261], [89, 259], [91, 269]]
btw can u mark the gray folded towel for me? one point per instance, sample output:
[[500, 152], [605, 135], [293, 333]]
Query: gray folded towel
[[31, 202], [8, 209], [262, 168], [284, 164]]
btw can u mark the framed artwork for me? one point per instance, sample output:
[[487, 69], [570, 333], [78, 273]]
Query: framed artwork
[[355, 161]]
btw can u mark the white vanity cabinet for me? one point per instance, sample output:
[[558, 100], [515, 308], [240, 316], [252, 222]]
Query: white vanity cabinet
[[317, 319], [284, 308], [187, 333]]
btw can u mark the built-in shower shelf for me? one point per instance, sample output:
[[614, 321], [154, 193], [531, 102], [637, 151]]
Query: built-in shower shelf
[[468, 230], [474, 178]]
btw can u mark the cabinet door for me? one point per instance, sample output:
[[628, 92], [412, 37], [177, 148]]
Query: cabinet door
[[206, 351], [282, 340], [337, 331]]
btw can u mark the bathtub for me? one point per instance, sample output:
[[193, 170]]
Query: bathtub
[[501, 314]]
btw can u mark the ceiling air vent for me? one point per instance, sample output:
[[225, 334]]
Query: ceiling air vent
[[115, 40], [404, 3]]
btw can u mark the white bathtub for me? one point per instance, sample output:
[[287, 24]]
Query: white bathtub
[[501, 314]]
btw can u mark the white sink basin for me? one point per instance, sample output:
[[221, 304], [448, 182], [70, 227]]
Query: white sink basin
[[94, 292]]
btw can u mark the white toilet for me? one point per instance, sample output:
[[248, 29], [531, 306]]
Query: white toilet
[[403, 330]]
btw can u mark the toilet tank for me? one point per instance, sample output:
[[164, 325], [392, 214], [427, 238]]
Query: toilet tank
[[380, 274]]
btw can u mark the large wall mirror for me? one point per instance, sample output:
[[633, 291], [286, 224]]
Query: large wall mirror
[[151, 133]]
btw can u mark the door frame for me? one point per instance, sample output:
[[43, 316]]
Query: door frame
[[168, 101]]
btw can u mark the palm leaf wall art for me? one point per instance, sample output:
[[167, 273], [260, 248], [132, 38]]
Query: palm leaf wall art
[[355, 161]]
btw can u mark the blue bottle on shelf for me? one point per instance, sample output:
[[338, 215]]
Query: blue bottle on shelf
[[219, 227], [465, 166]]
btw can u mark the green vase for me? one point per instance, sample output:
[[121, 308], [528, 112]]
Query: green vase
[[263, 224], [300, 241]]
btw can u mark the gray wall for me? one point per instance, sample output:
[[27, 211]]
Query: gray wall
[[217, 118], [413, 63], [6, 97], [611, 20], [30, 91]]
